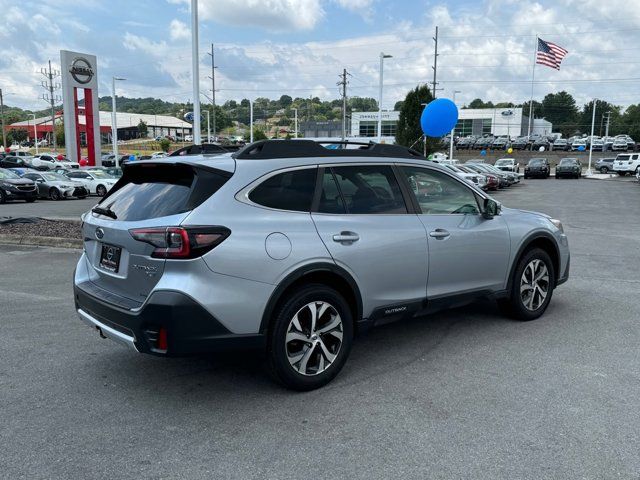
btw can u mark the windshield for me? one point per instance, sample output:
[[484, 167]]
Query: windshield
[[5, 174], [568, 161], [101, 174], [534, 162], [55, 177], [504, 162]]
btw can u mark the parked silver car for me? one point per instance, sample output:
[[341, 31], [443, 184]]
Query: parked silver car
[[56, 186], [295, 248]]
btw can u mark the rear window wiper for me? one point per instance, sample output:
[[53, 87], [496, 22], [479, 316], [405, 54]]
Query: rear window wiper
[[105, 211]]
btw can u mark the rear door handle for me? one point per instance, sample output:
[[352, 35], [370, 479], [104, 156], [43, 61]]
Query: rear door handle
[[439, 233], [346, 237]]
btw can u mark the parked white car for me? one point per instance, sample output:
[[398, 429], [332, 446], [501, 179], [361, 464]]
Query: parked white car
[[159, 154], [627, 163], [577, 143], [51, 161], [96, 181], [508, 165], [474, 178]]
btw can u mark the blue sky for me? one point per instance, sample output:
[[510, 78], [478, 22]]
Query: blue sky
[[298, 47]]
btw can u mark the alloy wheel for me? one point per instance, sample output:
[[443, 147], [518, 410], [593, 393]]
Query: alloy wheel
[[313, 338], [534, 284]]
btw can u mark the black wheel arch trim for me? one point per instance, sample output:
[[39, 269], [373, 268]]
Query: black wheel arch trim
[[526, 243], [296, 275]]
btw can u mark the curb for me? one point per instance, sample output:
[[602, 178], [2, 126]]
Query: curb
[[38, 241]]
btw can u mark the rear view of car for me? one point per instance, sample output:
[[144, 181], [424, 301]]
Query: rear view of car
[[569, 168], [537, 167]]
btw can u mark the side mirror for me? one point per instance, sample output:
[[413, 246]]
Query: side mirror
[[491, 208]]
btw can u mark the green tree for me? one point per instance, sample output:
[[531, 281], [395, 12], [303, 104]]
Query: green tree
[[478, 103], [258, 134], [142, 129], [409, 129], [285, 101], [59, 131], [19, 135], [560, 109], [164, 144], [631, 119], [398, 105]]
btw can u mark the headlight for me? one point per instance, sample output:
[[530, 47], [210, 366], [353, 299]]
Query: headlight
[[65, 186], [558, 224], [5, 185]]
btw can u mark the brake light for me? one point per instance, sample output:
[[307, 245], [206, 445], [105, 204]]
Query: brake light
[[180, 242]]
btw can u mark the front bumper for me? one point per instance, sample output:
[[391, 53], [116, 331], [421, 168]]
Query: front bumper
[[537, 173], [16, 194], [189, 327]]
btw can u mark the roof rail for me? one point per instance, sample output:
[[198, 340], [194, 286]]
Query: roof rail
[[267, 149], [204, 149]]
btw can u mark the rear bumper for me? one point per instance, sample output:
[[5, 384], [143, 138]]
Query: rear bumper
[[189, 327], [537, 173]]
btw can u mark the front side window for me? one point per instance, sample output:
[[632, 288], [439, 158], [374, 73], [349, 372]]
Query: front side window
[[292, 190], [438, 193], [370, 189]]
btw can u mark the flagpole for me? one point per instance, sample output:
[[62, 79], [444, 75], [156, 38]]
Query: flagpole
[[533, 76]]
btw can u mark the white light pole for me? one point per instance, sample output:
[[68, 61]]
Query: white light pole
[[35, 131], [382, 57], [295, 121], [195, 72], [593, 121], [208, 127], [114, 126], [250, 121], [453, 129]]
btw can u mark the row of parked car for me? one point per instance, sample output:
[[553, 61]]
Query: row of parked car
[[60, 183], [620, 143], [484, 175]]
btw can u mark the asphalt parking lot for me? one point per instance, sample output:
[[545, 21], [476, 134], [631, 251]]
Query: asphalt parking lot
[[462, 394]]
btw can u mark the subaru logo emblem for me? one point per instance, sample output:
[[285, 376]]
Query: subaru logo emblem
[[99, 233]]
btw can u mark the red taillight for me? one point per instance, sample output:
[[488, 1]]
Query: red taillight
[[180, 242], [163, 344]]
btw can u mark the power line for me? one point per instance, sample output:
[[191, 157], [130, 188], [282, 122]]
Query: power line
[[49, 85]]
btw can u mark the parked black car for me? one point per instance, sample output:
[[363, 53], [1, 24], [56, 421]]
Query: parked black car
[[604, 165], [541, 142], [10, 161], [12, 187], [569, 167], [537, 167], [520, 143]]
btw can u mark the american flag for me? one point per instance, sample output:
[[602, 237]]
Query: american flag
[[550, 54]]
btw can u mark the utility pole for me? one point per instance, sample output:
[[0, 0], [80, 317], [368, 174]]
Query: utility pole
[[435, 63], [343, 83], [593, 121], [4, 138], [295, 121], [213, 89], [50, 97], [195, 73], [606, 128]]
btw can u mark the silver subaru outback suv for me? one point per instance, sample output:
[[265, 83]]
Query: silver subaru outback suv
[[296, 248]]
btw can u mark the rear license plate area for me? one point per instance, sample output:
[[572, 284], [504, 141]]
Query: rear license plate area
[[110, 258]]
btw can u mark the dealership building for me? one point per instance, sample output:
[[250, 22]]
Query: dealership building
[[498, 121], [127, 123], [471, 121]]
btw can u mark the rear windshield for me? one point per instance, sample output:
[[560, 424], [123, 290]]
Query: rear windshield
[[151, 191], [504, 162], [568, 161], [536, 161]]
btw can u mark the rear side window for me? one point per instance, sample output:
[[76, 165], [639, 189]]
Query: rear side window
[[151, 191], [292, 190], [370, 189]]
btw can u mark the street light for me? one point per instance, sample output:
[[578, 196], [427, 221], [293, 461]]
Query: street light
[[382, 57], [452, 130], [593, 121], [195, 73], [114, 126], [295, 121], [35, 131]]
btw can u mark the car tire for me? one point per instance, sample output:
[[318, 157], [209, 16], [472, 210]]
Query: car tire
[[622, 174], [54, 194], [101, 190], [3, 197], [301, 357], [29, 200], [82, 197], [604, 170], [520, 305]]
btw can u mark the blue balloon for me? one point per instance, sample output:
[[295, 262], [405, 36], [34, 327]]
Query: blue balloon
[[132, 157], [582, 148], [439, 117], [483, 153]]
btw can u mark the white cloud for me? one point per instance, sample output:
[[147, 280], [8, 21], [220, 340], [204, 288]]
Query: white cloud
[[179, 30], [270, 15], [364, 8]]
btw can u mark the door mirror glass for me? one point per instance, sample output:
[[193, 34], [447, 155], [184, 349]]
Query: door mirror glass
[[491, 208]]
